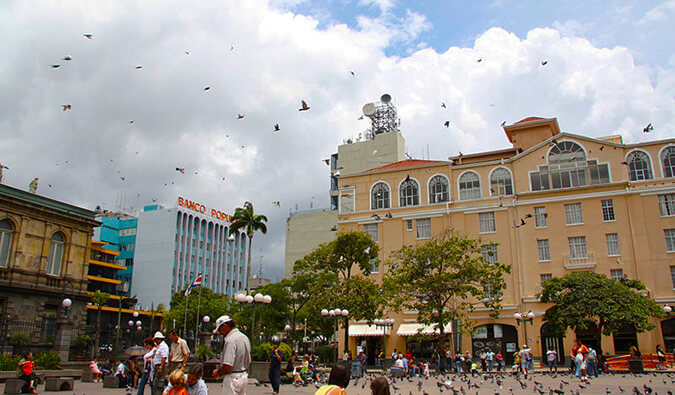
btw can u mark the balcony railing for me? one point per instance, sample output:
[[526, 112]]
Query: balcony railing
[[587, 261]]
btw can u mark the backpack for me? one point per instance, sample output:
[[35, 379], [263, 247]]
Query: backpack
[[591, 356]]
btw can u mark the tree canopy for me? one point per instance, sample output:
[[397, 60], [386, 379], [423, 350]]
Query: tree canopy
[[583, 299], [443, 279], [245, 218], [212, 304]]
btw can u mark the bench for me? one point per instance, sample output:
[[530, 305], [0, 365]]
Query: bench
[[399, 373], [14, 386], [110, 382], [87, 377], [59, 384]]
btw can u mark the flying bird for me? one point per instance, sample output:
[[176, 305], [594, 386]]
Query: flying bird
[[446, 124], [243, 147], [544, 62], [88, 35], [360, 118], [326, 161], [122, 178], [602, 147], [187, 52], [276, 127], [240, 116], [55, 66], [132, 121], [154, 200], [206, 88], [67, 57], [479, 60], [443, 105], [304, 107], [139, 67], [648, 128], [276, 203], [352, 73], [66, 107], [231, 47], [181, 169]]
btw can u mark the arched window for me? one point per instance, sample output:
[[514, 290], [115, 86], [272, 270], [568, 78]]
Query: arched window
[[638, 166], [6, 230], [500, 182], [469, 186], [668, 160], [379, 196], [55, 254], [409, 193], [438, 189], [567, 164]]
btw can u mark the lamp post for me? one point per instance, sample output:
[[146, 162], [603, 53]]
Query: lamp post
[[385, 323], [66, 303], [668, 310], [524, 318], [258, 299], [336, 314]]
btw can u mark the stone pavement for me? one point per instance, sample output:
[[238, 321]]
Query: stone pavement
[[660, 383]]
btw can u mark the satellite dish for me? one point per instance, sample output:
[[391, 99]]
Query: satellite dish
[[369, 109], [386, 98]]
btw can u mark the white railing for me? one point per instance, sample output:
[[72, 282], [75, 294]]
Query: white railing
[[580, 262]]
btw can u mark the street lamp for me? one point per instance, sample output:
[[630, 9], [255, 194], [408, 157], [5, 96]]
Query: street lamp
[[258, 299], [66, 303], [524, 318], [385, 323], [336, 314], [668, 310]]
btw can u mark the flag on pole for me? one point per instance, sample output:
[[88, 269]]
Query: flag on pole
[[196, 283]]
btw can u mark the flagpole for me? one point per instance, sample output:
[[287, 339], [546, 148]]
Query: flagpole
[[186, 309], [199, 301]]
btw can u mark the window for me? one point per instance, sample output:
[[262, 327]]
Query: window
[[500, 182], [371, 229], [668, 161], [608, 210], [6, 229], [489, 252], [573, 214], [577, 247], [408, 225], [55, 254], [612, 244], [638, 166], [469, 186], [374, 264], [616, 274], [379, 196], [409, 193], [545, 277], [438, 189], [487, 222], [672, 275], [424, 228], [670, 239], [667, 205], [567, 168], [346, 202], [544, 251], [540, 217]]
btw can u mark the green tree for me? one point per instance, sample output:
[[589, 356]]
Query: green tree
[[583, 299], [267, 319], [443, 279], [212, 304], [245, 218], [99, 299], [343, 266]]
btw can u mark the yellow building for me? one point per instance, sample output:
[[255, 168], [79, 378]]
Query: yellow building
[[551, 204]]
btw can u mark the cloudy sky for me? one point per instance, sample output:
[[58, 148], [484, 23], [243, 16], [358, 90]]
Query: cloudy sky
[[611, 69]]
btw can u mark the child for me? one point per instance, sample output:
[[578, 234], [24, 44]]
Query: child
[[93, 368], [474, 369], [177, 380], [582, 366], [425, 369]]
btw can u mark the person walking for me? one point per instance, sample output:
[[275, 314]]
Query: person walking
[[578, 348], [235, 358], [490, 358], [159, 364], [552, 358], [500, 361], [276, 356], [382, 359], [592, 362], [524, 355], [662, 358], [146, 377], [179, 352]]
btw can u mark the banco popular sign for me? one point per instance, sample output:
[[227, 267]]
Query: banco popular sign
[[200, 208]]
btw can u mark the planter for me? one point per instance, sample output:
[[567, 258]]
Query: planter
[[259, 371]]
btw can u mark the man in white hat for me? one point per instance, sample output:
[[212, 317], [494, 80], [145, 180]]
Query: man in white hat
[[235, 358], [159, 361]]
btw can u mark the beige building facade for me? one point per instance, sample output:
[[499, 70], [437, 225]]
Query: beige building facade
[[553, 203]]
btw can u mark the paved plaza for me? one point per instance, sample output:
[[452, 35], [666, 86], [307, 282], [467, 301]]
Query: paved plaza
[[659, 383]]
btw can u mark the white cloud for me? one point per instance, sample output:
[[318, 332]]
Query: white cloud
[[660, 13], [278, 59], [383, 5], [569, 28]]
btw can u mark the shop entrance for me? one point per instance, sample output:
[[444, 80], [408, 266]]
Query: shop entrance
[[370, 345], [549, 341], [668, 330], [497, 337], [589, 337]]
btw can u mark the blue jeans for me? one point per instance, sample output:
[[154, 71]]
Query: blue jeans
[[458, 366], [141, 383], [592, 368], [438, 365], [275, 379], [489, 365]]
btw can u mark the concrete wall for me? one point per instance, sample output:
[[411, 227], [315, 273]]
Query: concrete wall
[[304, 232], [384, 149]]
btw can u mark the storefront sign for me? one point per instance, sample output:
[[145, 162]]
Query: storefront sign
[[200, 208], [480, 332]]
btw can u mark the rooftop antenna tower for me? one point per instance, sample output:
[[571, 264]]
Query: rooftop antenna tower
[[383, 117]]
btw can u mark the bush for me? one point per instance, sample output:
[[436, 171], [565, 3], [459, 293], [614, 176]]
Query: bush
[[19, 339], [326, 354], [262, 351], [204, 353], [9, 363], [47, 360]]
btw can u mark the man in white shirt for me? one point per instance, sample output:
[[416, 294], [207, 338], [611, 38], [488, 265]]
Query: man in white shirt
[[159, 364], [235, 358]]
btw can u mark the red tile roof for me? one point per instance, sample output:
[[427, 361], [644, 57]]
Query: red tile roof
[[529, 119], [406, 163]]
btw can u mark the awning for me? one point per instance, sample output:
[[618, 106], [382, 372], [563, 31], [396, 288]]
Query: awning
[[417, 328], [365, 330]]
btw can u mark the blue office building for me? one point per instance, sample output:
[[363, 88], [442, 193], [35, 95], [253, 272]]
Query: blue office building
[[118, 231]]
